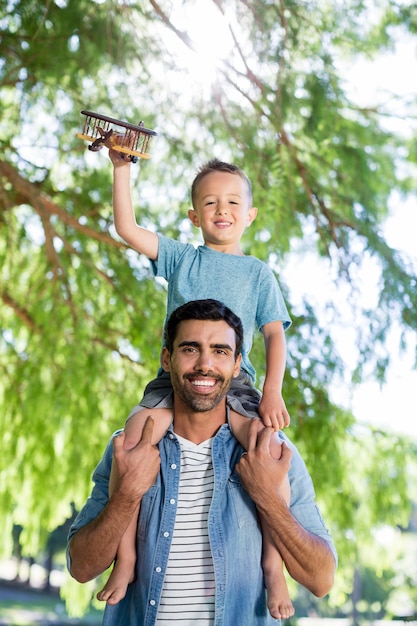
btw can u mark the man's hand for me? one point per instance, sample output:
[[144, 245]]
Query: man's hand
[[260, 473], [307, 557], [136, 469], [93, 548]]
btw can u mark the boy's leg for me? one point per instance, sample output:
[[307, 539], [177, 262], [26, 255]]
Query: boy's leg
[[123, 571], [279, 602], [134, 426]]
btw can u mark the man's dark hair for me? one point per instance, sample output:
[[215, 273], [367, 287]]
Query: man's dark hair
[[215, 165], [210, 310]]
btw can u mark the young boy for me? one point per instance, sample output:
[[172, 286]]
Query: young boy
[[222, 207]]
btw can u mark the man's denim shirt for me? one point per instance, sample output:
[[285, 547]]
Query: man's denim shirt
[[235, 535]]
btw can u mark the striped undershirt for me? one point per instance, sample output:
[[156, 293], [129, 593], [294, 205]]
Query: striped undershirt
[[188, 592]]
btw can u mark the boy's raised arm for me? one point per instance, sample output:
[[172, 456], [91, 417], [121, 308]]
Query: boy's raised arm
[[141, 239]]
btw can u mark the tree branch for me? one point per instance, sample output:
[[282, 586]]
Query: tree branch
[[43, 204]]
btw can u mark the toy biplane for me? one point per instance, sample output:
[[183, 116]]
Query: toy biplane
[[131, 140]]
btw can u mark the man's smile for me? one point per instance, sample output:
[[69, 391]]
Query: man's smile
[[200, 383]]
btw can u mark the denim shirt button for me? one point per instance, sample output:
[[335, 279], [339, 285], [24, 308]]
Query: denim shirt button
[[166, 534], [152, 602], [174, 466], [172, 501], [158, 569]]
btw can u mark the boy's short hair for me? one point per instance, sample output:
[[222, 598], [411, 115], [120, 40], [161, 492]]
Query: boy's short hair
[[215, 165], [210, 310]]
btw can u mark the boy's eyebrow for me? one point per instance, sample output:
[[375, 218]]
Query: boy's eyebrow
[[234, 195], [197, 344]]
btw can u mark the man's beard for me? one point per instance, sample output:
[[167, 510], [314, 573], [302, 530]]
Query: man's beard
[[199, 403]]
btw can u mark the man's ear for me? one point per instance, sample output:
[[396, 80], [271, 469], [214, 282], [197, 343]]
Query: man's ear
[[194, 218], [236, 371], [166, 360], [252, 213]]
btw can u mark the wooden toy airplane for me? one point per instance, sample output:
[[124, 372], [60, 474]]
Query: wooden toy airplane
[[131, 140]]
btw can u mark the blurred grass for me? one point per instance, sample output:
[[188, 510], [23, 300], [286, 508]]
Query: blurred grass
[[21, 605]]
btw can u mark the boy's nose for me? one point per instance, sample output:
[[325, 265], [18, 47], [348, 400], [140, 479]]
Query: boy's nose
[[222, 208]]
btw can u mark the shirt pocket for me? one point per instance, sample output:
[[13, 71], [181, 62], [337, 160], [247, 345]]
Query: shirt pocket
[[243, 508], [146, 508]]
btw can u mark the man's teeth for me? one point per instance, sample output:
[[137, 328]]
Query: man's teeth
[[204, 383]]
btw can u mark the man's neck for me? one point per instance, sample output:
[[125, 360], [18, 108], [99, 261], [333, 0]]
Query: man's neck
[[198, 426]]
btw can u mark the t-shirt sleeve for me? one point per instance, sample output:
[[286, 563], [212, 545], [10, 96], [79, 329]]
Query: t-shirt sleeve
[[170, 252], [271, 305]]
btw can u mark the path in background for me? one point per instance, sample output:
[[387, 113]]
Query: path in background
[[22, 605]]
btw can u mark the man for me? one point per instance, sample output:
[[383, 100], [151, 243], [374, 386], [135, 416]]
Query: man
[[199, 540]]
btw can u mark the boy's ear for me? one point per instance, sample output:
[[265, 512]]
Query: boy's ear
[[252, 213], [166, 360], [194, 218]]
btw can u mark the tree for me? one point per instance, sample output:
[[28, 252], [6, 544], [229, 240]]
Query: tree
[[81, 317]]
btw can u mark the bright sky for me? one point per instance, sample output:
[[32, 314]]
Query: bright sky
[[395, 405]]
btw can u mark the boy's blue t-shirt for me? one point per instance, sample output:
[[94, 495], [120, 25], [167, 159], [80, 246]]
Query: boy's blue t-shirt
[[243, 283]]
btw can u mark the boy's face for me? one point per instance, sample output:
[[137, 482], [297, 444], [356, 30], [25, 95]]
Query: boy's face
[[222, 208]]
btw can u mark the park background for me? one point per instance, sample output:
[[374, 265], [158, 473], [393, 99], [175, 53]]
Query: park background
[[307, 98]]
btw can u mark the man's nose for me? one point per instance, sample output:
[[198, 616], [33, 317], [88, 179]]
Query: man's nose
[[204, 362]]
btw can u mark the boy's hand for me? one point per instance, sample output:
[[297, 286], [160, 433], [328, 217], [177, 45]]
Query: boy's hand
[[117, 159], [273, 411]]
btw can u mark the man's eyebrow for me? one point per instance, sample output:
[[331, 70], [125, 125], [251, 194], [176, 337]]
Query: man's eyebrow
[[197, 344], [222, 346]]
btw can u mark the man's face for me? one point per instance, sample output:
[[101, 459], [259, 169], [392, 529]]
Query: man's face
[[202, 363]]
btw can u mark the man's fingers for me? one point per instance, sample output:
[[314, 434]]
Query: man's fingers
[[252, 435], [119, 440], [147, 430], [264, 438], [259, 439], [286, 452]]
